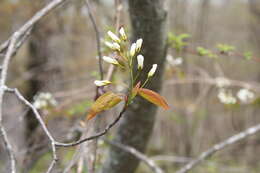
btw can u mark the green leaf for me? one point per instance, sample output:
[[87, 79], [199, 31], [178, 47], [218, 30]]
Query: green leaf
[[248, 55], [225, 48]]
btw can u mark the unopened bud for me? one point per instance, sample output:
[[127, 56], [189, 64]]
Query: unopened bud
[[102, 82], [139, 43], [113, 46], [113, 36], [140, 62], [110, 60], [133, 50], [122, 34], [152, 71]]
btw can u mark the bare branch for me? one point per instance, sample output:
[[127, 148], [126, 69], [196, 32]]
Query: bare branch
[[91, 16], [102, 133], [213, 81], [5, 66], [232, 140], [149, 162], [173, 159], [54, 143], [44, 127], [8, 147], [30, 23], [11, 46]]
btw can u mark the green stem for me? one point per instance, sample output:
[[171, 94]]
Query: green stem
[[145, 82], [137, 75]]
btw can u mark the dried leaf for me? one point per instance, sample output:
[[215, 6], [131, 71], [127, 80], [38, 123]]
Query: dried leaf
[[153, 97], [104, 102]]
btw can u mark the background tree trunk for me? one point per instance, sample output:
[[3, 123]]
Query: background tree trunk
[[148, 19]]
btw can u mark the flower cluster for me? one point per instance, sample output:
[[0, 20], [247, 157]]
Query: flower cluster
[[226, 97], [174, 61], [44, 100], [124, 56], [245, 96]]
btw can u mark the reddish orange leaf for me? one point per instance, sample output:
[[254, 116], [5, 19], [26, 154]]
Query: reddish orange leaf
[[104, 102], [153, 97]]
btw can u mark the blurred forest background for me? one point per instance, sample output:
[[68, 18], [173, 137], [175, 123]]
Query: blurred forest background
[[60, 58]]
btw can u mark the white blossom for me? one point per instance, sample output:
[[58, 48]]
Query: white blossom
[[174, 61], [133, 50], [245, 95], [113, 36], [122, 34], [152, 71], [226, 97], [140, 62], [102, 82], [222, 82], [43, 100], [139, 43], [110, 60]]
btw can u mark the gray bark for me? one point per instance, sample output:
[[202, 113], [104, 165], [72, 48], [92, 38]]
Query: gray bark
[[148, 19]]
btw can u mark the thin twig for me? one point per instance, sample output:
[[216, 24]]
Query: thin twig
[[40, 120], [118, 10], [220, 146], [149, 162], [11, 46], [102, 133], [55, 143], [173, 159], [30, 23], [214, 81], [228, 54], [98, 42]]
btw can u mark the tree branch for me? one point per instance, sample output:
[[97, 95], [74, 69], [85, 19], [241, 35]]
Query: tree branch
[[232, 140], [30, 23], [54, 143], [149, 162], [7, 58], [91, 17]]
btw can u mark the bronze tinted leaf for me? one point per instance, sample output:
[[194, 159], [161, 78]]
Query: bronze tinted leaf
[[153, 97], [104, 102]]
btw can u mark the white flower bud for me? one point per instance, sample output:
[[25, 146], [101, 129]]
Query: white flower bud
[[102, 82], [113, 46], [110, 60], [152, 71], [116, 46], [140, 62], [139, 43], [122, 34], [113, 36], [133, 50]]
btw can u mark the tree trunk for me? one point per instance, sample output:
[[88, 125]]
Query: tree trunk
[[148, 19]]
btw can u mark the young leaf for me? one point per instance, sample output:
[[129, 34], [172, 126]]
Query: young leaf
[[153, 97], [104, 102]]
